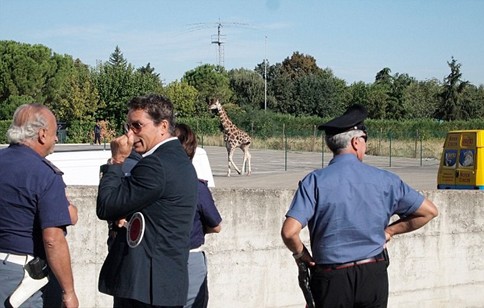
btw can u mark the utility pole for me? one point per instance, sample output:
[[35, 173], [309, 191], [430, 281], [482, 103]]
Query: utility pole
[[265, 75]]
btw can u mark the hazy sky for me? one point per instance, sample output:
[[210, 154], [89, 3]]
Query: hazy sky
[[354, 38]]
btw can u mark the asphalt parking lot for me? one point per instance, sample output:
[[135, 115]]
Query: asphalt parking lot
[[277, 169], [271, 169]]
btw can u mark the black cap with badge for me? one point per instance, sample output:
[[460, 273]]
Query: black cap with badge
[[352, 119]]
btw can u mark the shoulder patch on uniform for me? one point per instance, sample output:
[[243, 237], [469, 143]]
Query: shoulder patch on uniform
[[52, 166]]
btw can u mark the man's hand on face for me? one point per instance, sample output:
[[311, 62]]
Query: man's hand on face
[[121, 147]]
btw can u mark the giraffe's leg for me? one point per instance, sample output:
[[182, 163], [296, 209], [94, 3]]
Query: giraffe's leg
[[249, 172], [247, 160], [245, 149], [231, 161], [242, 147], [228, 158]]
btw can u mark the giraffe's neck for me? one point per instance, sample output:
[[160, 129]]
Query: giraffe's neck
[[224, 119]]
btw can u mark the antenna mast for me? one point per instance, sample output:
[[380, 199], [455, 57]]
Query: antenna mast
[[218, 40]]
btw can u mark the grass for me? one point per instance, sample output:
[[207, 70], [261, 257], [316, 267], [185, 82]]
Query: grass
[[400, 148]]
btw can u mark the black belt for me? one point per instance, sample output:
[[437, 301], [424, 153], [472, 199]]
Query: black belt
[[332, 267]]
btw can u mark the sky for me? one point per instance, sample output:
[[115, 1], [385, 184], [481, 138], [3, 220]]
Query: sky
[[353, 38]]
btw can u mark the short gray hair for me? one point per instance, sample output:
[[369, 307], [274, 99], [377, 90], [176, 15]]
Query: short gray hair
[[27, 121], [337, 143]]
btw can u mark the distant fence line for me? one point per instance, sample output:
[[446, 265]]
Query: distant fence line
[[377, 145], [276, 125], [417, 138]]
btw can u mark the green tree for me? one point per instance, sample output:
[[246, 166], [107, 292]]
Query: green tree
[[248, 88], [451, 97], [421, 98], [148, 70], [210, 81], [473, 102], [8, 106], [394, 88], [282, 79], [395, 105], [148, 80], [377, 101], [71, 91], [33, 73], [300, 87], [300, 65], [322, 95], [118, 82], [117, 58], [359, 93], [383, 76], [281, 87], [24, 70], [183, 97]]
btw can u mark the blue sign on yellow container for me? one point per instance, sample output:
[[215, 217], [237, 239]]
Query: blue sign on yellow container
[[462, 162]]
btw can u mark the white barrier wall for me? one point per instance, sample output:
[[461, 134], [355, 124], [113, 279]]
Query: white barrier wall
[[440, 265]]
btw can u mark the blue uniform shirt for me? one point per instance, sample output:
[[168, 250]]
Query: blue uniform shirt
[[206, 214], [347, 207], [32, 198]]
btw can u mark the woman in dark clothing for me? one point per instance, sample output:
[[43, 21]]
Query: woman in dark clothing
[[207, 220]]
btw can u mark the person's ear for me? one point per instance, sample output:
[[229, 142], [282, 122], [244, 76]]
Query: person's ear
[[164, 126], [354, 143], [42, 135]]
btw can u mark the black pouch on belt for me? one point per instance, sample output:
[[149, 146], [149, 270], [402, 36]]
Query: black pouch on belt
[[37, 268], [386, 256]]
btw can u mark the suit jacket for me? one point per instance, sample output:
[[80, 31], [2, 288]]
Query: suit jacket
[[163, 187]]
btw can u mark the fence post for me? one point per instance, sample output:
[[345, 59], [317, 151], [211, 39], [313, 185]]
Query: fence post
[[390, 154], [380, 136], [421, 151], [284, 139], [313, 141], [285, 158], [416, 141], [322, 150], [283, 132], [199, 133]]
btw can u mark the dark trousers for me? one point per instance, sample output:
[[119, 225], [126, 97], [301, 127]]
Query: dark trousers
[[358, 286], [97, 138], [132, 303]]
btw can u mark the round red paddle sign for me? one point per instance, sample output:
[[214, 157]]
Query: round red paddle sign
[[135, 229]]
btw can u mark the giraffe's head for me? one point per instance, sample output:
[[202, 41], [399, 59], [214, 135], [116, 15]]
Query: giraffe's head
[[214, 105]]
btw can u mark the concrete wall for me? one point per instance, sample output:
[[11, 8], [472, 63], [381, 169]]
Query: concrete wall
[[441, 265]]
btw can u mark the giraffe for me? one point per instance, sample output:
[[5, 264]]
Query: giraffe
[[234, 138]]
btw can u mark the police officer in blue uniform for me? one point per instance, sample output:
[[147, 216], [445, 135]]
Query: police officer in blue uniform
[[347, 207], [34, 211]]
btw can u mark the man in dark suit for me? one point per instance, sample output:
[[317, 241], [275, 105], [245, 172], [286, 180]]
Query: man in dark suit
[[163, 187]]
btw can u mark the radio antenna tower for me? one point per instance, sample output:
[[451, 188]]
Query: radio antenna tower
[[219, 38]]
